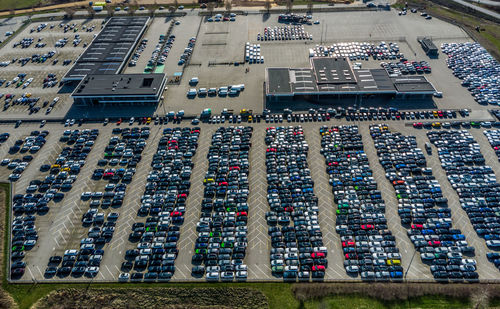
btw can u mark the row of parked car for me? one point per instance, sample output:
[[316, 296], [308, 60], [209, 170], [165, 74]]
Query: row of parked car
[[30, 144], [477, 69], [368, 245], [39, 193], [474, 182], [297, 248], [422, 206], [358, 51], [188, 51], [101, 226], [284, 33], [137, 54], [406, 67], [221, 246], [124, 150], [163, 204], [493, 137], [162, 49], [456, 124]]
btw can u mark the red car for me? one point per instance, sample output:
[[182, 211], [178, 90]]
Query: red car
[[367, 227], [351, 256], [241, 213], [318, 268], [417, 226], [176, 214], [317, 255], [348, 244]]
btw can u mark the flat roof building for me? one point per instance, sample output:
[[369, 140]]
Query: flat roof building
[[329, 76], [110, 49], [428, 46], [119, 89]]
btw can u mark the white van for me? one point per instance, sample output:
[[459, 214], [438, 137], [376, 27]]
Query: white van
[[202, 91], [192, 92], [193, 81]]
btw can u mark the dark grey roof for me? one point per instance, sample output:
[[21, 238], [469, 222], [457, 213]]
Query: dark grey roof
[[303, 80], [106, 52], [110, 49], [428, 45], [291, 81], [120, 85], [332, 70], [278, 81], [119, 34], [125, 21], [412, 84], [79, 70]]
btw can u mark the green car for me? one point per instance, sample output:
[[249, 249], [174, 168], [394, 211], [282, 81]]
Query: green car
[[278, 269], [201, 251], [342, 211]]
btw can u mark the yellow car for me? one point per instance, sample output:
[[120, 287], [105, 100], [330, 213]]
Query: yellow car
[[435, 113], [55, 166], [250, 118], [148, 121], [393, 262], [208, 180], [436, 124], [65, 169]]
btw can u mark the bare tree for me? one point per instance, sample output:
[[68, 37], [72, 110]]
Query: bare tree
[[171, 9], [110, 9], [211, 7], [228, 5], [310, 6], [176, 3], [289, 6], [151, 10], [70, 12], [133, 7], [91, 11], [268, 5]]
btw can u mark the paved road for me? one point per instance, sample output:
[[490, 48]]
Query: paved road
[[487, 2], [479, 9]]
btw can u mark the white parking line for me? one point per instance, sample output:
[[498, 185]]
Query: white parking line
[[31, 274]]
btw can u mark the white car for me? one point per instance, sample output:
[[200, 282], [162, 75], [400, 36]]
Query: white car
[[123, 277], [213, 276]]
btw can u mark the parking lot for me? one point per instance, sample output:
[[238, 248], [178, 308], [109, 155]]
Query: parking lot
[[61, 228], [220, 45], [41, 61], [336, 199]]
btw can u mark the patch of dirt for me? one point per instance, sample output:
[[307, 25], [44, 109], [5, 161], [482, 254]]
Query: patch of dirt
[[171, 298]]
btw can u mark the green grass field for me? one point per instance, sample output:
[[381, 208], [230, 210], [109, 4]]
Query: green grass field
[[17, 4]]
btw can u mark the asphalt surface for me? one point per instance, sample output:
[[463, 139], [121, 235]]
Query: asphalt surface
[[61, 228], [218, 45], [480, 9]]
